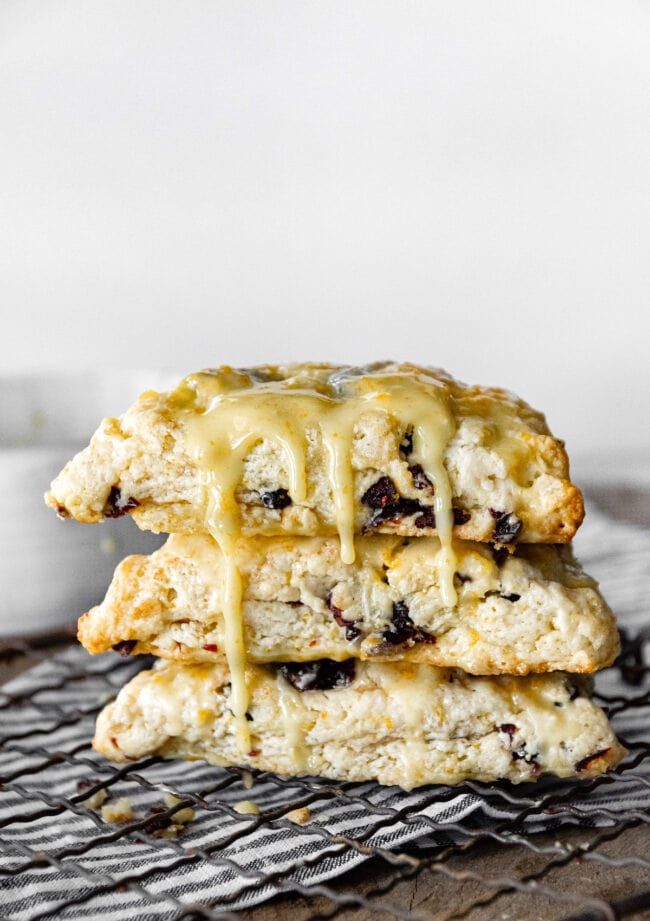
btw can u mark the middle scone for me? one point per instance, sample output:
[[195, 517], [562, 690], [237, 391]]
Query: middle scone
[[533, 610]]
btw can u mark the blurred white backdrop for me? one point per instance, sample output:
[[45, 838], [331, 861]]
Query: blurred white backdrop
[[463, 184]]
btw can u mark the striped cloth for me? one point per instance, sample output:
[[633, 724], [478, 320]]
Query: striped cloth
[[60, 858]]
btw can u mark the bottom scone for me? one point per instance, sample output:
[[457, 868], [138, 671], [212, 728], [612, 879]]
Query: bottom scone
[[395, 723]]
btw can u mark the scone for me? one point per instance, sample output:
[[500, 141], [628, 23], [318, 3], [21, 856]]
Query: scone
[[325, 449], [396, 723], [534, 610]]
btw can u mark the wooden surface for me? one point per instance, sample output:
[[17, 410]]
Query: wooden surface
[[442, 892]]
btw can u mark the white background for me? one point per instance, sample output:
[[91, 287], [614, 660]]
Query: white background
[[464, 184]]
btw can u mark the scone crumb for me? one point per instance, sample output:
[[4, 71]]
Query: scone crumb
[[169, 831], [247, 780], [95, 800], [299, 816], [118, 810], [247, 807], [182, 816]]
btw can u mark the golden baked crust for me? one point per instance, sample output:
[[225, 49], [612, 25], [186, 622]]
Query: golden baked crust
[[398, 724], [534, 610], [509, 477]]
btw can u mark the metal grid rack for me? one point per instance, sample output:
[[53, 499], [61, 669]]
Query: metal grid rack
[[463, 869]]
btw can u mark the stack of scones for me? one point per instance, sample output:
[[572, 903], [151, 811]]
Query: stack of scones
[[368, 575]]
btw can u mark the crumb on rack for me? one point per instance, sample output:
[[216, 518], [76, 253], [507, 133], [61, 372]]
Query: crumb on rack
[[182, 816], [118, 810], [247, 779], [95, 800], [247, 807], [299, 816]]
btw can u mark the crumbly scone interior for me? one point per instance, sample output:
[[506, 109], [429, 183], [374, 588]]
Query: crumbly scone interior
[[499, 457], [396, 723], [534, 610]]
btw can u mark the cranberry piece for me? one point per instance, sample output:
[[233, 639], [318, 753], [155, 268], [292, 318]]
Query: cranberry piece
[[400, 509], [85, 783], [351, 630], [116, 506], [402, 631], [210, 647], [125, 647], [381, 494], [499, 554], [585, 762], [406, 446], [320, 675], [573, 690], [279, 498], [419, 477], [509, 728], [506, 528], [426, 520], [383, 497]]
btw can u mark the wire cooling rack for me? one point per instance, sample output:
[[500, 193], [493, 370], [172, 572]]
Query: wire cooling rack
[[555, 852]]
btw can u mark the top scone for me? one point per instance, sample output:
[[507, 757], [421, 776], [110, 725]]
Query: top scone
[[315, 449]]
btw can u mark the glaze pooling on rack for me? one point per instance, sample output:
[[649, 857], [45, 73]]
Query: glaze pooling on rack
[[244, 408]]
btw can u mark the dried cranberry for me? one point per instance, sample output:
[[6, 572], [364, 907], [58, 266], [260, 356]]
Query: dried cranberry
[[210, 647], [426, 520], [507, 526], [509, 728], [402, 631], [351, 630], [85, 783], [500, 554], [381, 494], [156, 821], [400, 509], [279, 498], [573, 690], [406, 446], [116, 506], [320, 675], [585, 762], [125, 647], [419, 477], [389, 505]]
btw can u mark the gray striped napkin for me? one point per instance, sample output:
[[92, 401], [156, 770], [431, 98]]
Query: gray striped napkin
[[60, 858]]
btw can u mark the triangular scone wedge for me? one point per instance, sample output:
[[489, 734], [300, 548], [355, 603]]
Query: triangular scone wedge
[[295, 442], [534, 610], [398, 724]]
